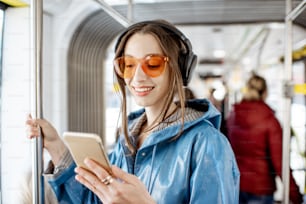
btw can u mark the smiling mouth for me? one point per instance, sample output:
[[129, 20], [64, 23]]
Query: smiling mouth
[[143, 90]]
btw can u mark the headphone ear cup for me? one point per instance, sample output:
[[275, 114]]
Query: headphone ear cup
[[187, 63], [183, 65], [192, 62]]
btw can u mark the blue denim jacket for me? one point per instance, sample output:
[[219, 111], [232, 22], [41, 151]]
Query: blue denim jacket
[[197, 167]]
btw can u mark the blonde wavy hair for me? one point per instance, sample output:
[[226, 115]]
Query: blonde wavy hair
[[256, 88]]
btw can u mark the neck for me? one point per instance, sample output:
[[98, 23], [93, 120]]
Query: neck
[[152, 122], [152, 114]]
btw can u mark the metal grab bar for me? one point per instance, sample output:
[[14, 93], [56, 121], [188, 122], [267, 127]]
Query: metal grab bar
[[36, 57]]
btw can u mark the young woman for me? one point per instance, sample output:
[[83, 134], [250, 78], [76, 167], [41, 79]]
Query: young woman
[[168, 152], [256, 137]]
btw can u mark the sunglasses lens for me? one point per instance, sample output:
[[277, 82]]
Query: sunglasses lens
[[152, 65], [130, 64], [125, 66]]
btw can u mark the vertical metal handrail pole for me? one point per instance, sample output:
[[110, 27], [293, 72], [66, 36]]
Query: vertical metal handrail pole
[[36, 38], [287, 107], [291, 14], [130, 13]]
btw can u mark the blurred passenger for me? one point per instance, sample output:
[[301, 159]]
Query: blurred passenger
[[167, 152], [256, 137]]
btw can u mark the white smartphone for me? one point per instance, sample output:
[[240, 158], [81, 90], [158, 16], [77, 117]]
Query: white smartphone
[[82, 145]]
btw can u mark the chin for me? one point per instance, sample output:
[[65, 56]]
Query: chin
[[143, 103]]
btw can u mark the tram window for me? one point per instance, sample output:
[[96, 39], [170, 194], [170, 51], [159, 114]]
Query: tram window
[[2, 8], [298, 124]]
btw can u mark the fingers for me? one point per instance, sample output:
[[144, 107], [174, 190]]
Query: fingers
[[32, 127], [89, 180], [97, 179], [122, 175], [115, 188], [29, 117], [96, 172], [35, 126]]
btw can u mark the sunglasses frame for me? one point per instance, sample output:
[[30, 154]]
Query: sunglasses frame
[[140, 61]]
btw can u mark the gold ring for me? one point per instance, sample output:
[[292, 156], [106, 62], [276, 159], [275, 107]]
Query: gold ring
[[107, 180]]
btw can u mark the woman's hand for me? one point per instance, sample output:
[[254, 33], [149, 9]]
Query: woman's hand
[[51, 140], [120, 187]]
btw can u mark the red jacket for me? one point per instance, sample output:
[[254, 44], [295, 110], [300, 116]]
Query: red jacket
[[256, 137]]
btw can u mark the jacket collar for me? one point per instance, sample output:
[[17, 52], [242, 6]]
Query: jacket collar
[[196, 110]]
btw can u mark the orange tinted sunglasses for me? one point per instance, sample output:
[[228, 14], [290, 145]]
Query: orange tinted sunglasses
[[153, 65]]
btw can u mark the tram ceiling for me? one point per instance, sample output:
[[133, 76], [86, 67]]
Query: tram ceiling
[[234, 27], [211, 11], [238, 28]]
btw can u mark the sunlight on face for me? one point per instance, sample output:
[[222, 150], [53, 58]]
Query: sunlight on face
[[147, 91]]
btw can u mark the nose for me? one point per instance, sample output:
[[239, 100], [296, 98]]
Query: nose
[[139, 73]]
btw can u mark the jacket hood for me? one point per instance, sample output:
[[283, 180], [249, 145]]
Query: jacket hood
[[248, 113], [208, 110]]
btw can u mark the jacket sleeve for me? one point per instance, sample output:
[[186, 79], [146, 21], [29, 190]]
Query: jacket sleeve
[[275, 140], [214, 172], [66, 188], [70, 191]]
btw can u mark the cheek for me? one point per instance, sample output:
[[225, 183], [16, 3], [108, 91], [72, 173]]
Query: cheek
[[127, 84], [127, 81], [164, 83], [166, 78]]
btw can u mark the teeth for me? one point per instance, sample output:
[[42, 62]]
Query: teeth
[[143, 89]]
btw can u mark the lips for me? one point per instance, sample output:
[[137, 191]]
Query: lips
[[142, 91]]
